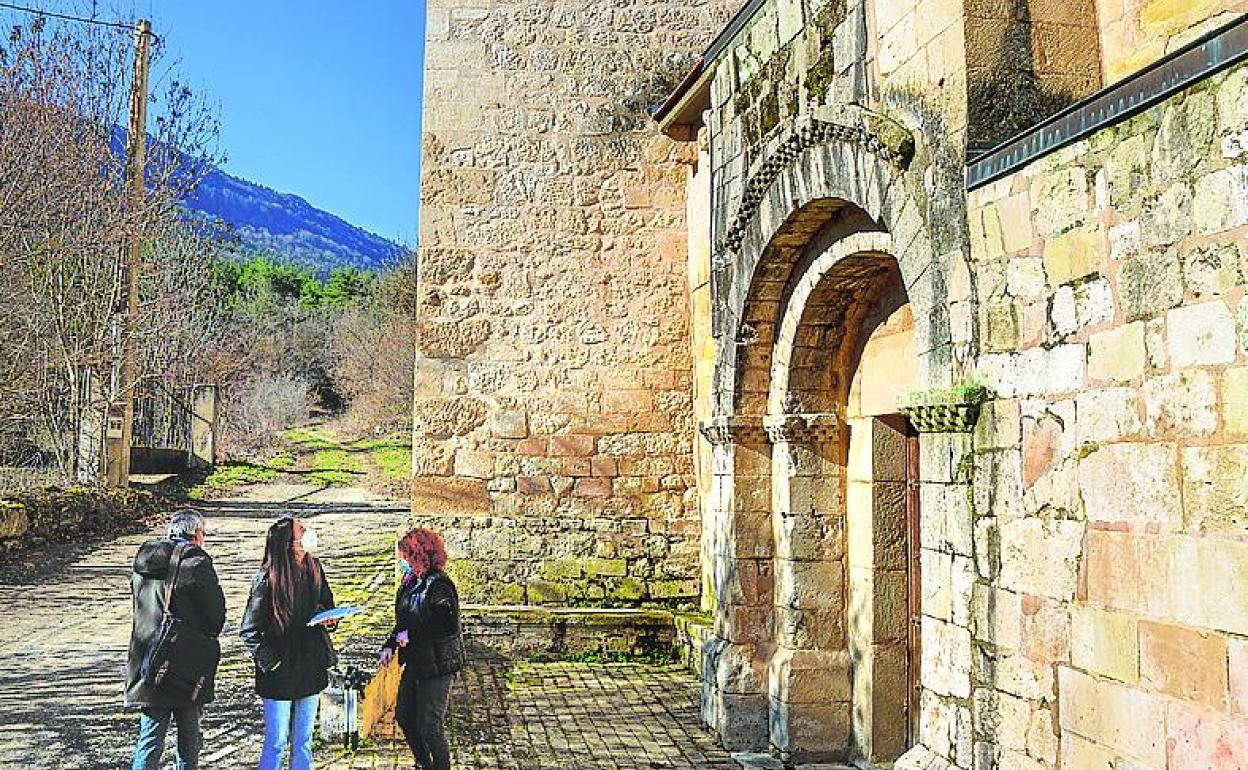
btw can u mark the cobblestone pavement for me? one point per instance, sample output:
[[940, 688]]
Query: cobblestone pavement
[[565, 716], [67, 622]]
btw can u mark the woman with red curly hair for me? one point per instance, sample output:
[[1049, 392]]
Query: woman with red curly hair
[[430, 646]]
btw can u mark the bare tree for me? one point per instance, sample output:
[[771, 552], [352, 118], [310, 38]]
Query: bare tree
[[65, 218]]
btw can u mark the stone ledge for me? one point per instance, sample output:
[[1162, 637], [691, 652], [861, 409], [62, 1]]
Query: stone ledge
[[528, 631]]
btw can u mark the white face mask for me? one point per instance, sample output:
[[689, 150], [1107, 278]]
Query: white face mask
[[309, 540]]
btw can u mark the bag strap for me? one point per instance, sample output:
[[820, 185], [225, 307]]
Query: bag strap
[[175, 562]]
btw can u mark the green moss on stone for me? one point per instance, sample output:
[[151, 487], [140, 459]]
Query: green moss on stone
[[545, 592], [606, 567], [628, 589], [560, 569]]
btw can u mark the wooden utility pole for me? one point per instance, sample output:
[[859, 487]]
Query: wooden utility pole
[[120, 428]]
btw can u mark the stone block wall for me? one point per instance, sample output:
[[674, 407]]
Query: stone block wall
[[1135, 33], [553, 384], [1109, 509]]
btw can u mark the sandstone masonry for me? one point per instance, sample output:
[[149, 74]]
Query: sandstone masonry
[[553, 417]]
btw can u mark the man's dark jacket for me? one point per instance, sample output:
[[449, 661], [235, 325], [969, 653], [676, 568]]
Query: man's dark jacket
[[197, 599], [292, 663], [427, 608]]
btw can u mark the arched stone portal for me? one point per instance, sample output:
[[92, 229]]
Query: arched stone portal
[[805, 631], [840, 672]]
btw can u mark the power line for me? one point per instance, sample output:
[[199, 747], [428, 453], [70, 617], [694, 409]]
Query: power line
[[67, 17]]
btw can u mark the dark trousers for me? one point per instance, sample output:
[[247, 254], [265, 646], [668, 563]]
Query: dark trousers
[[421, 713], [154, 724]]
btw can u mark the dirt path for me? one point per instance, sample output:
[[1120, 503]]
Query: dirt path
[[65, 632]]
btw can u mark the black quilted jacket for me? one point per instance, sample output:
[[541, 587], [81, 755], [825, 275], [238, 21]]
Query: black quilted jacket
[[428, 609]]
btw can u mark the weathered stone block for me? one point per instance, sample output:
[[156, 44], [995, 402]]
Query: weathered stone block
[[571, 446], [1128, 721], [605, 567], [1107, 415], [946, 669], [1117, 354], [1041, 557], [452, 339], [1128, 168], [1151, 282], [1234, 399], [1200, 738], [1215, 488], [1212, 270], [1221, 201], [1060, 200], [1074, 255], [1237, 652], [509, 423], [442, 495], [1105, 643], [1201, 335], [1183, 404], [1184, 663], [1132, 483], [809, 676], [592, 487], [474, 465], [446, 417]]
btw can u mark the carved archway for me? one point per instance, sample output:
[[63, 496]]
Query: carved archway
[[820, 199]]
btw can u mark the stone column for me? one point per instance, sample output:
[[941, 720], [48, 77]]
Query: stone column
[[809, 692], [876, 555], [734, 691]]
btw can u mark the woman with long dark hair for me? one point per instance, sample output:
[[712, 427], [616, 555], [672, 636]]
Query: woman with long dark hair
[[430, 646], [292, 658]]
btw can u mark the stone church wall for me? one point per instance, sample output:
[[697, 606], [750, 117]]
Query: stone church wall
[[553, 385], [1109, 496], [1078, 547]]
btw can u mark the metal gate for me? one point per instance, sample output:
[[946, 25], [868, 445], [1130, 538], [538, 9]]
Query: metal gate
[[163, 416]]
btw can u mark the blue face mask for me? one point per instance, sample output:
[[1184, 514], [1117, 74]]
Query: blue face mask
[[404, 567]]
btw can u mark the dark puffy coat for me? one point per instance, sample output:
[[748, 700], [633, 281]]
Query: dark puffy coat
[[428, 609], [294, 663], [197, 599]]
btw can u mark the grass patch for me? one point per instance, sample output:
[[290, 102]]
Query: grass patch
[[227, 475], [334, 468], [282, 461], [391, 441], [310, 439], [652, 657], [393, 462]]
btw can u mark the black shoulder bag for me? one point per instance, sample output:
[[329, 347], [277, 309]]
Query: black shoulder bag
[[180, 658]]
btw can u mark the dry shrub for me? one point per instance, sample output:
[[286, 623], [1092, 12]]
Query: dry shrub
[[259, 410], [374, 354]]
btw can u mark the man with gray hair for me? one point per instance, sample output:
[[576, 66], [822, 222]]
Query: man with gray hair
[[180, 564]]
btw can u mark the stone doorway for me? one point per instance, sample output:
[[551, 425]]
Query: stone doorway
[[882, 530]]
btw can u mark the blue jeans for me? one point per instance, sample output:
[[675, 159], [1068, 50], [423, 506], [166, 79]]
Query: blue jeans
[[154, 725], [288, 722]]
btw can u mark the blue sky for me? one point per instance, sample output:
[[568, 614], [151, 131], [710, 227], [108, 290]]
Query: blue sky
[[320, 98]]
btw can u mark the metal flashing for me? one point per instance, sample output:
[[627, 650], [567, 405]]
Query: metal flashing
[[1201, 59]]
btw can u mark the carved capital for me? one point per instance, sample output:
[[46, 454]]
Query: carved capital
[[809, 428], [744, 429]]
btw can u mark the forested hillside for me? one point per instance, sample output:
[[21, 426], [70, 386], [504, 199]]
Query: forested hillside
[[288, 227]]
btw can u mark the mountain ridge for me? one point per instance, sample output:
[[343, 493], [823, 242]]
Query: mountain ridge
[[285, 225]]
